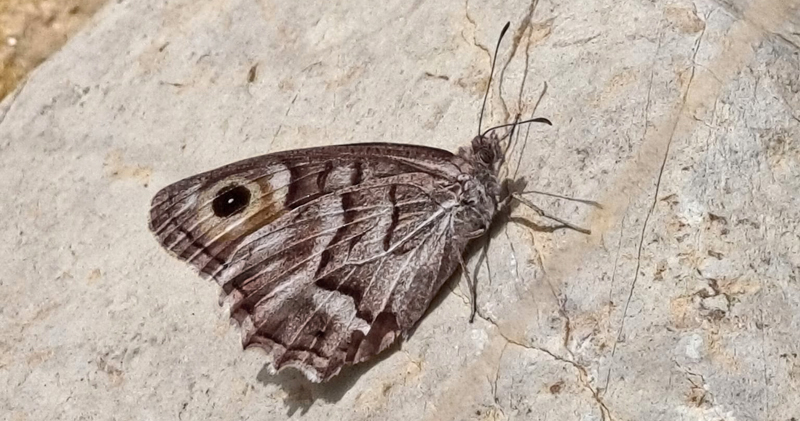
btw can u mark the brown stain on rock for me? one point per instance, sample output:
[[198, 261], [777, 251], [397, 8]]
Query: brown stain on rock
[[685, 19], [682, 313], [708, 308], [619, 84], [474, 82], [373, 399], [540, 31], [287, 85], [115, 375], [36, 358], [94, 276], [718, 353], [117, 169], [344, 79], [557, 387], [43, 312]]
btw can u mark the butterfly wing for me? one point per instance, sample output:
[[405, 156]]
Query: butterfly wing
[[328, 254]]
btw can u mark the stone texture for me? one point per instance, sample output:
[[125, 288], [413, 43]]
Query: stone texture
[[681, 118]]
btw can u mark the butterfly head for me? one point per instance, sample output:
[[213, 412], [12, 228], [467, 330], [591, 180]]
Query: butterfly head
[[485, 153]]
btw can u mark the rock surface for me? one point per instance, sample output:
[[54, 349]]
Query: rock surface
[[681, 118]]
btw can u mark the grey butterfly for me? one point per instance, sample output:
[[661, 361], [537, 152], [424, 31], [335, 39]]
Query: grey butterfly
[[330, 254]]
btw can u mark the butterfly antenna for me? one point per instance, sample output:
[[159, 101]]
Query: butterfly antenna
[[518, 123], [488, 87]]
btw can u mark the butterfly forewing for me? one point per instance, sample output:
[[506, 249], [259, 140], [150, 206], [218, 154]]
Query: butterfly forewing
[[328, 254]]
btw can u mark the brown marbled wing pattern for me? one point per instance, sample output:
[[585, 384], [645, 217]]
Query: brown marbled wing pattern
[[338, 251]]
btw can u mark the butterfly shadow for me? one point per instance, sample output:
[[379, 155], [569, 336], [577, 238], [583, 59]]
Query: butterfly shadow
[[302, 393]]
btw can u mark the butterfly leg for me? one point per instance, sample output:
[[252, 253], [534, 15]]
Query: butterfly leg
[[473, 293], [542, 213], [574, 199]]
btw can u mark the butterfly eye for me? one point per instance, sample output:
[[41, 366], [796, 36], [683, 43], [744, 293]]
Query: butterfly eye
[[486, 156], [231, 200]]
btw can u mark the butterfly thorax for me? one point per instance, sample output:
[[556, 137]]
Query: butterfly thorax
[[480, 190]]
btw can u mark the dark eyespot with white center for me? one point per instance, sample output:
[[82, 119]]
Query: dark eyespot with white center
[[230, 201]]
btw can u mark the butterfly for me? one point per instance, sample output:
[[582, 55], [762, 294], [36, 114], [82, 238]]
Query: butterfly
[[329, 255]]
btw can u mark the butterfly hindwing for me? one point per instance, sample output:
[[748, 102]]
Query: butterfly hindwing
[[328, 254]]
